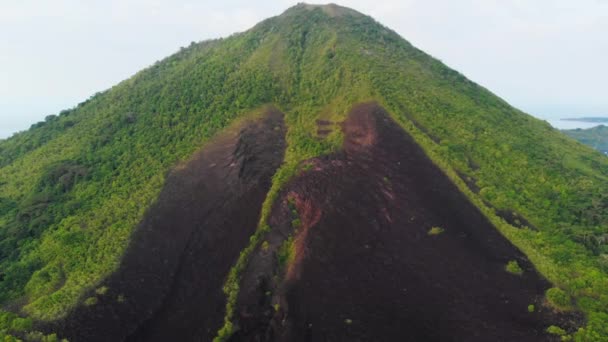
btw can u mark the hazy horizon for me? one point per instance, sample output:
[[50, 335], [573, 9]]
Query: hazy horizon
[[545, 58]]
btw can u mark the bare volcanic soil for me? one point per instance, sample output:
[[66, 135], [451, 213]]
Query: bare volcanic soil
[[169, 284], [366, 267]]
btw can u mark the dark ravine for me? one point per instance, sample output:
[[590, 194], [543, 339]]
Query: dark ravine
[[365, 267], [169, 284]]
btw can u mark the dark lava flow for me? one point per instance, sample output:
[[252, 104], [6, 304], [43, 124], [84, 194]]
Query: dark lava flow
[[169, 284], [366, 267]]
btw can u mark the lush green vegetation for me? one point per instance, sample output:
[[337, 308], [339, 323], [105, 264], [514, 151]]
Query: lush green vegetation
[[73, 187], [558, 298], [596, 137]]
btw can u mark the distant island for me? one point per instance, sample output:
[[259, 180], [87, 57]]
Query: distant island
[[598, 119], [596, 137]]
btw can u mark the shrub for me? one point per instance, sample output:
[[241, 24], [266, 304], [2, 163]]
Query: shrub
[[21, 324], [50, 338], [33, 336], [555, 330], [265, 246], [514, 268], [102, 290], [90, 301], [558, 298], [531, 308], [435, 231], [7, 338]]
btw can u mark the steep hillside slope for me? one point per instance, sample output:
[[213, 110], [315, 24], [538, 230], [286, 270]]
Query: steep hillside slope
[[74, 188]]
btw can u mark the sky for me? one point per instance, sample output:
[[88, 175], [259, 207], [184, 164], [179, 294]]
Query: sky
[[546, 57]]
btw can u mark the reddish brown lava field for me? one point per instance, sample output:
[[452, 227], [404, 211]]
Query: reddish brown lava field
[[366, 268], [172, 274]]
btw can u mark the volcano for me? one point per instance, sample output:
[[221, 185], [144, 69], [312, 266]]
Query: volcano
[[315, 178]]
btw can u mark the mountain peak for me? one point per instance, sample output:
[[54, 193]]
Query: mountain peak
[[331, 9]]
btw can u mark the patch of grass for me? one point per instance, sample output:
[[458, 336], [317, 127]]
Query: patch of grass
[[435, 231], [514, 268]]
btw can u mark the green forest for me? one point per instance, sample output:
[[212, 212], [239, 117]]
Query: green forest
[[74, 186]]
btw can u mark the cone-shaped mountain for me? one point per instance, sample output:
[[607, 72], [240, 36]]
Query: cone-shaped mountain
[[315, 178]]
